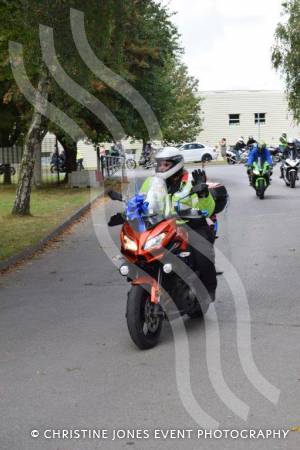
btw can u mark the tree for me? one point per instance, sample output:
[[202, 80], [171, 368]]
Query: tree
[[183, 121], [21, 19], [134, 38], [154, 54], [286, 54], [11, 124]]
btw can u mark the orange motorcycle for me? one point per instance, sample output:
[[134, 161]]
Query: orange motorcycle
[[153, 247]]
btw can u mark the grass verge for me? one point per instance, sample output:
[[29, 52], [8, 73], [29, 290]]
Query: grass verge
[[49, 208]]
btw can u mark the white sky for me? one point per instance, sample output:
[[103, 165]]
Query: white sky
[[228, 42]]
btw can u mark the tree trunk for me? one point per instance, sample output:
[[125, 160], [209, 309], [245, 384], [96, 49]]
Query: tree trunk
[[98, 158], [71, 154], [144, 145], [37, 174], [70, 149], [32, 140]]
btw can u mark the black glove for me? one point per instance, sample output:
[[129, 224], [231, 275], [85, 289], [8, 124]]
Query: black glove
[[199, 176], [201, 190], [199, 183]]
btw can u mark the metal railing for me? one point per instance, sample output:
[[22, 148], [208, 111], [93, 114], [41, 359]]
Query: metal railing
[[110, 165], [47, 169], [10, 159]]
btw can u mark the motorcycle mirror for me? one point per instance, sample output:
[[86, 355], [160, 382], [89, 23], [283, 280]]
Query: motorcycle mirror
[[113, 195], [116, 220]]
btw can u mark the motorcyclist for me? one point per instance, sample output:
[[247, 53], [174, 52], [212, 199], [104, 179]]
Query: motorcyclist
[[170, 167], [114, 151], [251, 141], [259, 150], [240, 145], [58, 160], [79, 160], [290, 151], [283, 140]]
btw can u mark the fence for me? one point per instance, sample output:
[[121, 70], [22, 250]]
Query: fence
[[10, 159], [44, 173], [48, 168], [110, 165]]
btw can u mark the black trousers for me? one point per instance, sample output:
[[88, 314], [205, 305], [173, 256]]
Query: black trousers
[[201, 241]]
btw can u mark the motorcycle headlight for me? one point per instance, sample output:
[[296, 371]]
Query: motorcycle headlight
[[155, 241], [129, 244]]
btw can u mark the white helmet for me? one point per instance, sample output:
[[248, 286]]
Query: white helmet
[[169, 161]]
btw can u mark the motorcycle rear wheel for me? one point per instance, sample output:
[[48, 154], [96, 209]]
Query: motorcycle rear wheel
[[130, 164], [143, 326]]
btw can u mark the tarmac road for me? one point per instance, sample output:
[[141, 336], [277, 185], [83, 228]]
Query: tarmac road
[[66, 359]]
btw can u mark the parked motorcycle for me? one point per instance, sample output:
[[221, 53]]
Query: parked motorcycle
[[130, 162], [142, 160], [237, 156], [61, 168], [146, 161], [2, 169], [59, 165], [260, 178], [291, 169], [152, 244]]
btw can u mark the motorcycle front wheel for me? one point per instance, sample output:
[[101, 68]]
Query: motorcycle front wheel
[[260, 190], [143, 324], [293, 178]]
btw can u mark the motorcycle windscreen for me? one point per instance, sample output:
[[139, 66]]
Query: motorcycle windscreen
[[151, 206], [158, 199]]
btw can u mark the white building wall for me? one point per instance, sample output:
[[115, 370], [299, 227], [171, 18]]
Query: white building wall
[[217, 105]]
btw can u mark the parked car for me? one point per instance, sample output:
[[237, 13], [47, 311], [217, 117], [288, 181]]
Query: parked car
[[194, 152]]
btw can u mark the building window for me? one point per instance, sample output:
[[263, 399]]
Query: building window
[[234, 119], [259, 118]]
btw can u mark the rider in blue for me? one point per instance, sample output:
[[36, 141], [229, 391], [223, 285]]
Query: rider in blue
[[258, 150]]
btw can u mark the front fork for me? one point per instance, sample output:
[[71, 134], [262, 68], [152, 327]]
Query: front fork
[[154, 286]]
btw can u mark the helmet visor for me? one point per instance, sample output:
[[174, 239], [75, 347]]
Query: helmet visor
[[163, 165]]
